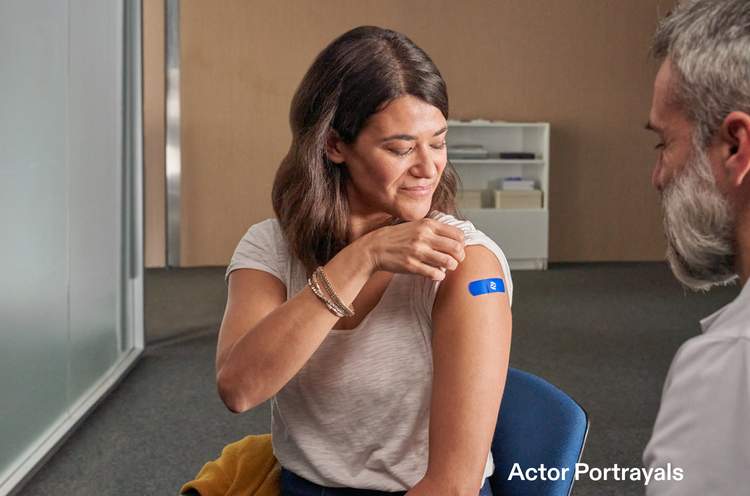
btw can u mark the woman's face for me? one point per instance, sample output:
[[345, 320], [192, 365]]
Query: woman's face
[[396, 161]]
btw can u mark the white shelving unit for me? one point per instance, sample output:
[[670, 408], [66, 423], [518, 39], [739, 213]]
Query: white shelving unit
[[522, 234]]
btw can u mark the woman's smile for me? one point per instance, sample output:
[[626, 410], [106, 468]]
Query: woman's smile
[[424, 190]]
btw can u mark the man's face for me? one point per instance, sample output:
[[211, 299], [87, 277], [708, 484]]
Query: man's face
[[672, 127], [697, 219]]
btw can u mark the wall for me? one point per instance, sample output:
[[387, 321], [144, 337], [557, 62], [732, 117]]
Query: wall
[[581, 65], [154, 133]]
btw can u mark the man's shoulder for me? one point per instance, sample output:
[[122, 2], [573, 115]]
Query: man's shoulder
[[701, 425], [711, 347], [731, 321], [707, 366]]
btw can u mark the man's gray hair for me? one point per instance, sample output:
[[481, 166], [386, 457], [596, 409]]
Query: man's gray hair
[[708, 44]]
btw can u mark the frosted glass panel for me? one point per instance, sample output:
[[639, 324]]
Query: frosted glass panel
[[95, 189], [70, 204], [33, 220]]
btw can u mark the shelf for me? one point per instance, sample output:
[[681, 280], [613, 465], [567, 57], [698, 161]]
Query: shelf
[[522, 234]]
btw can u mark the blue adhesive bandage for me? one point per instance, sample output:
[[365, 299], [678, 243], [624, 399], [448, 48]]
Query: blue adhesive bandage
[[486, 286]]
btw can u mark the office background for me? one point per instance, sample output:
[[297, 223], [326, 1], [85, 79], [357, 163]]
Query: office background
[[581, 65]]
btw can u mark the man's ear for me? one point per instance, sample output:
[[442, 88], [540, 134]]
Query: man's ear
[[735, 133], [334, 147]]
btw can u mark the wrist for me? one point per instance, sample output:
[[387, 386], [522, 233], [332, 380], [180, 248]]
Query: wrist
[[445, 486], [348, 271], [364, 254]]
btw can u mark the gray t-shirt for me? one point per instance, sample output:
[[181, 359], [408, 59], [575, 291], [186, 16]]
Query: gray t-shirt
[[357, 413]]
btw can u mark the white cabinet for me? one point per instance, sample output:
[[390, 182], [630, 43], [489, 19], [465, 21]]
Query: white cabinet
[[521, 233]]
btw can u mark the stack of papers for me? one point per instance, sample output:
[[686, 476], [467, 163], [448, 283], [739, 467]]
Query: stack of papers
[[516, 183]]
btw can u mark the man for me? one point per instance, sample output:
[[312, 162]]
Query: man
[[701, 114]]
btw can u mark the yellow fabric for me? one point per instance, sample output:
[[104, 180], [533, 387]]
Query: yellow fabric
[[245, 468]]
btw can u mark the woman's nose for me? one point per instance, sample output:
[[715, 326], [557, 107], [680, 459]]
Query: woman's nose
[[425, 164]]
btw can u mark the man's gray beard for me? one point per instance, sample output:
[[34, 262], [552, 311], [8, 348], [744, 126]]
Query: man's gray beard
[[699, 224]]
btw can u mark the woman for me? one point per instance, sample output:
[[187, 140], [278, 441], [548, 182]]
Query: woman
[[351, 311]]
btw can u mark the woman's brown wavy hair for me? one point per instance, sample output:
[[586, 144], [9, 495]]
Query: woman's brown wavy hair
[[357, 75]]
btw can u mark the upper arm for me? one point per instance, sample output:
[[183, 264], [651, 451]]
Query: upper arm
[[253, 294], [471, 346], [485, 317]]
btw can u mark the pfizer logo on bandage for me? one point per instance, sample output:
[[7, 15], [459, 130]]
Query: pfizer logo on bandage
[[484, 286]]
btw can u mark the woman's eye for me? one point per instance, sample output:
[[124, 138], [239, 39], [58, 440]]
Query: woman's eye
[[440, 146], [400, 153]]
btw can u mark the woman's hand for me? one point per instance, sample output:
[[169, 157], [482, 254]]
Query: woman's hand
[[421, 247]]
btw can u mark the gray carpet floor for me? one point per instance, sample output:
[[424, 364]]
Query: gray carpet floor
[[603, 333]]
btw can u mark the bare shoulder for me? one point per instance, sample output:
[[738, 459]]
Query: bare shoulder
[[477, 285], [480, 264]]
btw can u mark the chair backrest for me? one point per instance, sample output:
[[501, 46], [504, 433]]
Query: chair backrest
[[538, 425]]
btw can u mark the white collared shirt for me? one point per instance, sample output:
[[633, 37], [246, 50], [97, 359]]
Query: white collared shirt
[[703, 425]]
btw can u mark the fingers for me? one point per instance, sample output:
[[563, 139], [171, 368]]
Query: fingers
[[446, 230], [452, 250], [426, 247], [448, 240], [429, 271]]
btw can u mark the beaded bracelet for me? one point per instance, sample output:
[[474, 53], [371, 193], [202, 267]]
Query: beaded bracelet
[[339, 310], [315, 289], [346, 309]]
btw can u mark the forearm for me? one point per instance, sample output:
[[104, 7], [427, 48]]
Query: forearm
[[461, 431], [465, 403], [271, 351]]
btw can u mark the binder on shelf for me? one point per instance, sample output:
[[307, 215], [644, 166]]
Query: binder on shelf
[[467, 152]]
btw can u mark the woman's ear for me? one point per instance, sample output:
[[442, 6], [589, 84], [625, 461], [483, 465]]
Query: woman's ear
[[735, 132], [334, 147]]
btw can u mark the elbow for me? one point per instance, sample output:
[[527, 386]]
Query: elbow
[[236, 396], [233, 403]]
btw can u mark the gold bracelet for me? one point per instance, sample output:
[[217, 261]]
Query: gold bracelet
[[328, 303], [348, 310]]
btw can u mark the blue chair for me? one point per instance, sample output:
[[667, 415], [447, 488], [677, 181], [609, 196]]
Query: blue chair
[[538, 425]]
